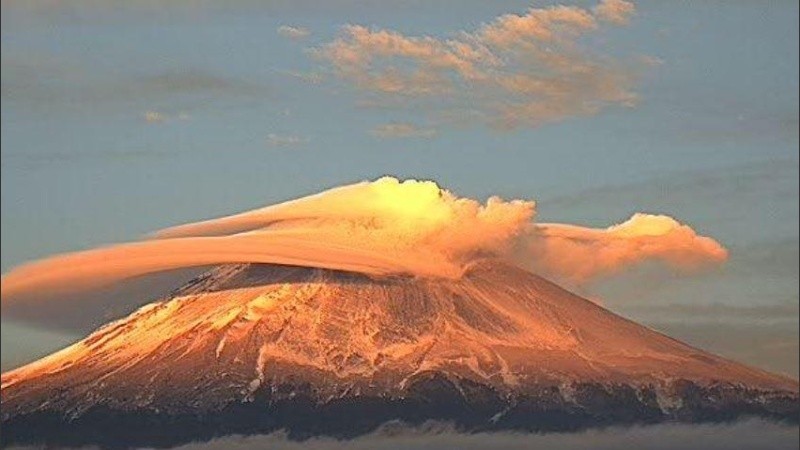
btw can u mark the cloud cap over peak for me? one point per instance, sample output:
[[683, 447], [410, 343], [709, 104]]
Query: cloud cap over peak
[[382, 227]]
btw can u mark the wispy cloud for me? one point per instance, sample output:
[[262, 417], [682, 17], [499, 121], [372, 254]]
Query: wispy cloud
[[615, 11], [47, 81], [308, 77], [155, 117], [515, 71], [295, 33], [191, 81], [402, 130], [278, 140], [651, 61]]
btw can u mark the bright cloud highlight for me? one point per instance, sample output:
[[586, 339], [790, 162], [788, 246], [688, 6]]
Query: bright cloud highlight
[[384, 227]]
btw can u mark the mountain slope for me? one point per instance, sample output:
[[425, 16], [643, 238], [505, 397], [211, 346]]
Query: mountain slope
[[251, 348]]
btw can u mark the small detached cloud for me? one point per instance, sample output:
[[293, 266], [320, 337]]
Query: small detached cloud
[[402, 130], [277, 140], [651, 61], [294, 33], [154, 117]]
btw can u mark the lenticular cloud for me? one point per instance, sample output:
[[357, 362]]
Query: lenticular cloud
[[384, 227]]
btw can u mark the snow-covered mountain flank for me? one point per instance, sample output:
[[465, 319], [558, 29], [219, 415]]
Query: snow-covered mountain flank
[[249, 348]]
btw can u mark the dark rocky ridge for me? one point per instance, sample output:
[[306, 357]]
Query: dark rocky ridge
[[469, 406]]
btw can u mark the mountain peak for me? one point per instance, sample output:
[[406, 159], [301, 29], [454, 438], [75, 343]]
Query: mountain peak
[[263, 335]]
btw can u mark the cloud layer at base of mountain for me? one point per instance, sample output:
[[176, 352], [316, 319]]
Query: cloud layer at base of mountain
[[743, 435]]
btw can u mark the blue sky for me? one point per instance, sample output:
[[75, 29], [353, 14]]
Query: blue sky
[[120, 120]]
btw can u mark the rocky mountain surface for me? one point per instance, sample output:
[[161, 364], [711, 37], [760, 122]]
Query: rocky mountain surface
[[251, 348]]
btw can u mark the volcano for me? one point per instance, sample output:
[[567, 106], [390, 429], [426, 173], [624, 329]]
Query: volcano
[[253, 348]]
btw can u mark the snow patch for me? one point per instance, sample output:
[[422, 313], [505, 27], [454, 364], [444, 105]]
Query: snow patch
[[256, 383], [220, 346]]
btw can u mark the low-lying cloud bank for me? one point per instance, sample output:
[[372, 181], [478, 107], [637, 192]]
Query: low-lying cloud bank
[[745, 435], [380, 228], [753, 434]]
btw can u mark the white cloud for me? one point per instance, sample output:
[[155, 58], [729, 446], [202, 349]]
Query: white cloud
[[154, 117], [295, 33]]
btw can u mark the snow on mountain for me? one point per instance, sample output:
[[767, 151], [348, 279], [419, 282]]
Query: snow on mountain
[[498, 348]]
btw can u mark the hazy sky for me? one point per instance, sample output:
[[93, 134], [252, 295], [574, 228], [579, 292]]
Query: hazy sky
[[117, 121]]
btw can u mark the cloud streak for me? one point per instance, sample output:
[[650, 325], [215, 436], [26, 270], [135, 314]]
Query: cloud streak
[[402, 130], [154, 117], [278, 140], [519, 70], [743, 435], [381, 228]]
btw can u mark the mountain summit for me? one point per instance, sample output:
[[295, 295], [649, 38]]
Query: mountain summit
[[251, 348]]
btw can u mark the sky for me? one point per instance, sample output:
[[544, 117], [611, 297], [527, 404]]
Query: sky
[[119, 120]]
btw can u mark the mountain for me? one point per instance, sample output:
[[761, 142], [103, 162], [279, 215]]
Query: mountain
[[251, 348]]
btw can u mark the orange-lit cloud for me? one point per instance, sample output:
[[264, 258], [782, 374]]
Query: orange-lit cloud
[[538, 24], [380, 228], [517, 70], [577, 254], [422, 228]]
